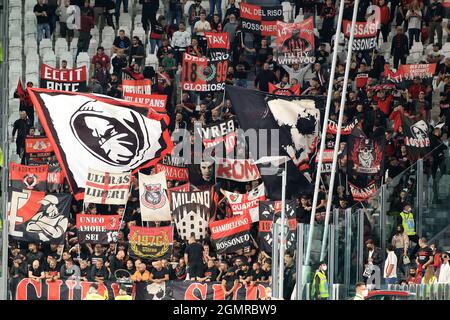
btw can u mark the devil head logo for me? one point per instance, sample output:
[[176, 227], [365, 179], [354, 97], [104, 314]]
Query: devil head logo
[[420, 130], [30, 181], [117, 139], [153, 196], [365, 153]]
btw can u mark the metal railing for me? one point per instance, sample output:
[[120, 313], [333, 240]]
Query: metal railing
[[435, 291]]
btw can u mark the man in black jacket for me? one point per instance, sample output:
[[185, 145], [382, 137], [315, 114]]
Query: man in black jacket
[[21, 126], [372, 255], [434, 16], [264, 77], [400, 47]]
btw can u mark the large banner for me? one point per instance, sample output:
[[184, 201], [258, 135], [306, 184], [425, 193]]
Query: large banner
[[231, 234], [28, 289], [363, 193], [64, 79], [140, 91], [260, 20], [242, 170], [295, 42], [269, 213], [38, 147], [174, 167], [107, 187], [346, 128], [191, 212], [410, 71], [95, 228], [291, 91], [93, 131], [365, 36], [36, 216], [296, 120], [365, 156], [242, 204], [155, 205], [203, 74], [28, 177], [218, 43], [417, 137], [327, 160], [223, 131], [151, 243]]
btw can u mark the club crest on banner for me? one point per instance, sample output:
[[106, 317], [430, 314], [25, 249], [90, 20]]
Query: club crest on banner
[[153, 196]]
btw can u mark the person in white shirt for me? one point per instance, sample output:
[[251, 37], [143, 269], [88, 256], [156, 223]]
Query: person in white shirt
[[390, 266], [181, 39], [296, 72], [444, 271], [199, 30], [414, 18]]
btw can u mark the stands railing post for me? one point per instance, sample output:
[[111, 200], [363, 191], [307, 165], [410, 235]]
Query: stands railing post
[[360, 245], [275, 253], [331, 260], [383, 213], [347, 254], [299, 282], [419, 197]]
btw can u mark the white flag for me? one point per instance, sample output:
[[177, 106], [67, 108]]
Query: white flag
[[107, 187], [155, 205], [248, 202]]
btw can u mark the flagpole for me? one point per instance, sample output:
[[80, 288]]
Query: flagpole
[[125, 208], [338, 134], [322, 140]]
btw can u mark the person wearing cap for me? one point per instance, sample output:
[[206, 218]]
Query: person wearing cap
[[319, 288], [123, 295], [93, 293]]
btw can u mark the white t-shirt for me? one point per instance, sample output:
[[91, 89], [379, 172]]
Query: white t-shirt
[[391, 259], [204, 26]]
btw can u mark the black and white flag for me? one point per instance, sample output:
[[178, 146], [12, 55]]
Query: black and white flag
[[100, 132]]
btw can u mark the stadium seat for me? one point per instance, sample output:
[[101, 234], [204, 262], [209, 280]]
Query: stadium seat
[[299, 18], [33, 78], [15, 43], [30, 18], [29, 5], [446, 48], [139, 32], [15, 54], [417, 47], [125, 28], [66, 55], [49, 58], [61, 46], [84, 60], [15, 29], [95, 34], [138, 21], [44, 46], [93, 44], [15, 4], [15, 15], [287, 11], [187, 6], [151, 60], [30, 45]]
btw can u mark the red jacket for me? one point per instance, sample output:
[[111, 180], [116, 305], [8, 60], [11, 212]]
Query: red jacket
[[385, 105], [385, 15]]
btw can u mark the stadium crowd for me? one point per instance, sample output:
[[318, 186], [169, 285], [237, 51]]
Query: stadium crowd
[[377, 106]]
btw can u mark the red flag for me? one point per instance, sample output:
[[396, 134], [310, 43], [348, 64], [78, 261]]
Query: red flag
[[20, 91]]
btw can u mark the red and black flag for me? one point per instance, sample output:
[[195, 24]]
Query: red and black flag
[[365, 36], [291, 91], [223, 131], [28, 177], [55, 178], [218, 44], [110, 135], [260, 20], [269, 213], [38, 216], [203, 74], [174, 167], [417, 137], [365, 156], [295, 42], [231, 234], [151, 243], [64, 79], [95, 228], [363, 193], [23, 94], [38, 147]]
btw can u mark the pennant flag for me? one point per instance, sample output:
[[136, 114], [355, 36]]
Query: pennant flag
[[55, 177], [36, 216], [231, 234], [191, 212], [218, 44], [241, 170], [365, 36], [295, 119], [410, 71], [153, 198], [363, 193], [107, 187], [270, 212], [246, 203], [223, 131], [28, 177], [151, 243], [365, 156], [100, 132], [417, 137], [174, 168], [203, 74], [38, 147], [295, 42], [64, 79], [291, 91], [260, 20], [95, 228]]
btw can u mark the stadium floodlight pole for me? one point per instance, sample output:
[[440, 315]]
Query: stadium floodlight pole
[[339, 126], [322, 140]]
